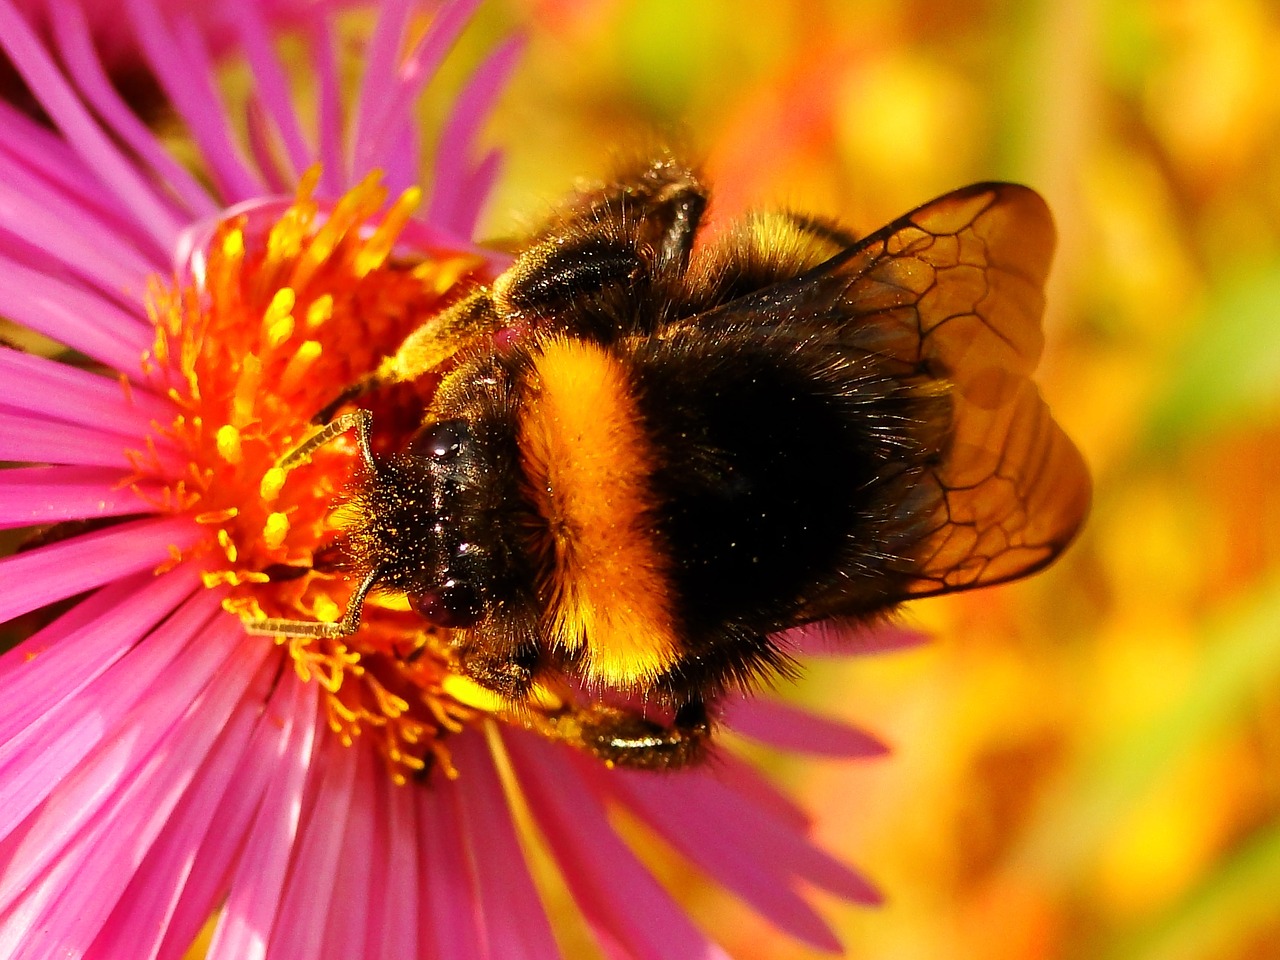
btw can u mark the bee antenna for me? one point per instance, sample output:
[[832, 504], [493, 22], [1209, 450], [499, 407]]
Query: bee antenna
[[350, 622]]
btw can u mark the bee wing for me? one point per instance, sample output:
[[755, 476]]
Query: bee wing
[[954, 290]]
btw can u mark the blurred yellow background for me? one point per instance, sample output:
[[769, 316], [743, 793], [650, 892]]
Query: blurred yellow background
[[1086, 764]]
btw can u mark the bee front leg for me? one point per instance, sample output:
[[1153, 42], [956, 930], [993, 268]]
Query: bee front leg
[[624, 738]]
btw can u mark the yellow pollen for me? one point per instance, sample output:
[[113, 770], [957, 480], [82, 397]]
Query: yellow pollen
[[229, 446], [281, 305], [217, 516], [280, 331], [442, 275], [353, 209], [390, 601], [378, 247], [275, 530], [233, 245], [438, 710], [321, 309], [309, 180], [326, 611], [228, 546], [299, 365], [271, 485], [545, 698], [277, 321]]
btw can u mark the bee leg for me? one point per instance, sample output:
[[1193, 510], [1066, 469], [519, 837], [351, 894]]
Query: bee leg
[[428, 347], [680, 204], [624, 738], [510, 676], [655, 209], [652, 220]]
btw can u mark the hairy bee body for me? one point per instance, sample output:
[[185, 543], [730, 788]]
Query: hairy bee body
[[642, 462]]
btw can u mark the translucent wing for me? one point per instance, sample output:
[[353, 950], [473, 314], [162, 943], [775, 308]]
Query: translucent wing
[[954, 291]]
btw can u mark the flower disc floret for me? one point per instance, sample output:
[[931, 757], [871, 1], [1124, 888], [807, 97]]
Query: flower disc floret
[[281, 311]]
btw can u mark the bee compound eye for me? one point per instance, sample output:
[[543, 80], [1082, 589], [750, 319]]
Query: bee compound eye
[[455, 603], [442, 441]]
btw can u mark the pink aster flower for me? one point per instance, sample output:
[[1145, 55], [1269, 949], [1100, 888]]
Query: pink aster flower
[[159, 767]]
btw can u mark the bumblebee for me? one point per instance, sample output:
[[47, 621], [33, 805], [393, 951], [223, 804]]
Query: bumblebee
[[651, 451]]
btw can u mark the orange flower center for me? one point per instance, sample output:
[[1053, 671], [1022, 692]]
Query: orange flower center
[[280, 318]]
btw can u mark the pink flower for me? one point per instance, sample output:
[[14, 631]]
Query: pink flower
[[218, 23], [158, 766]]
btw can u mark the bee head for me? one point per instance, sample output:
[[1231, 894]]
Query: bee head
[[410, 524]]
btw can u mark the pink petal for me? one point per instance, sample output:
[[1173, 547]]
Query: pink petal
[[39, 577], [392, 109], [457, 141], [839, 639], [747, 781], [73, 316], [516, 926], [29, 439], [333, 166], [423, 235], [381, 60], [38, 758], [181, 65], [450, 906], [396, 937], [716, 809], [57, 662], [244, 926], [82, 63], [39, 495], [122, 743], [270, 81], [143, 914], [308, 892], [790, 728], [60, 391], [100, 155], [471, 196], [106, 852], [67, 187], [402, 161], [354, 911], [42, 152], [631, 915], [728, 853], [263, 148], [69, 233]]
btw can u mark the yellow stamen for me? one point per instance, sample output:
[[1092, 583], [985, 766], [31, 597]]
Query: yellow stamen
[[326, 611], [233, 245], [228, 546], [229, 445], [299, 365], [275, 530], [271, 485], [377, 248], [246, 391]]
